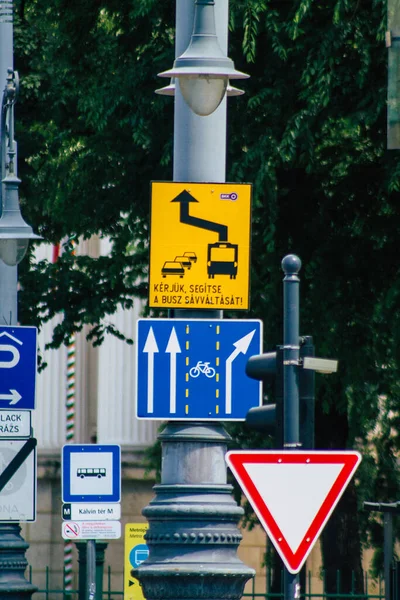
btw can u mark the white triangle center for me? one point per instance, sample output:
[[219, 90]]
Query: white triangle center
[[293, 493]]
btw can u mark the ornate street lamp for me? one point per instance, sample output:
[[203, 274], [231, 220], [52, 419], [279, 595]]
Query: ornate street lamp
[[203, 71], [15, 233]]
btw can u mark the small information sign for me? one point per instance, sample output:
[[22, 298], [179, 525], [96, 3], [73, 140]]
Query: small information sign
[[15, 423], [91, 530], [136, 551], [91, 512]]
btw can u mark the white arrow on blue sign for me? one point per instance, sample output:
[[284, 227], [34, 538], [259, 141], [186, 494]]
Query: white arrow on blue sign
[[191, 369], [18, 353]]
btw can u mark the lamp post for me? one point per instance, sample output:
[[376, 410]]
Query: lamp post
[[14, 239], [203, 71], [14, 232], [193, 533]]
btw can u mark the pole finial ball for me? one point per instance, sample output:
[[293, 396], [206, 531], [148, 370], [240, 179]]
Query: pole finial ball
[[291, 264]]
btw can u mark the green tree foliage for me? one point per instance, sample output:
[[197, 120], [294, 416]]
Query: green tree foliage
[[310, 134], [92, 135]]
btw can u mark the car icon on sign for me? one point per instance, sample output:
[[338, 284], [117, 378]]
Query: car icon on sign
[[172, 267], [191, 255], [184, 260]]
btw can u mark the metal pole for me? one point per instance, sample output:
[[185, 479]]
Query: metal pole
[[12, 546], [91, 569], [193, 535], [8, 275], [199, 142], [388, 552], [388, 509], [291, 265], [100, 548]]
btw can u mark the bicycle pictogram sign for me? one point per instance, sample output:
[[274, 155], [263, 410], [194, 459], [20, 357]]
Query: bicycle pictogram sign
[[202, 367]]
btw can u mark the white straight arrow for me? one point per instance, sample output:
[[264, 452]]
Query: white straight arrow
[[14, 397], [150, 348], [173, 348], [241, 346]]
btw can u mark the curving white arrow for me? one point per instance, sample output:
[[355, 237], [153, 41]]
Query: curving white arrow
[[173, 348], [241, 346], [9, 364], [14, 397], [150, 348]]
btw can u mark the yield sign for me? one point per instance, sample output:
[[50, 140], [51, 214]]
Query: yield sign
[[293, 493]]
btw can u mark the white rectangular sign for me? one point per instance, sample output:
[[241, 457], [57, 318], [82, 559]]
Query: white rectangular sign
[[91, 512], [91, 530], [15, 423], [17, 480]]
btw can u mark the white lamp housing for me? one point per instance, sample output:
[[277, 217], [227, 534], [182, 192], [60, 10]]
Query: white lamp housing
[[203, 71], [14, 232], [169, 90]]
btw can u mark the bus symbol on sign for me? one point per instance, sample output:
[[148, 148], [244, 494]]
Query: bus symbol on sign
[[222, 259], [90, 472]]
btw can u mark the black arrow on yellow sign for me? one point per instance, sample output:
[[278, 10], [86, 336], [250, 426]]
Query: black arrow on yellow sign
[[185, 198]]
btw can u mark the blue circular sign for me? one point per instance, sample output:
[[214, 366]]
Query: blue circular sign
[[138, 554]]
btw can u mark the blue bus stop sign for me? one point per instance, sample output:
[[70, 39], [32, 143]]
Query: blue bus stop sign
[[91, 473], [194, 369], [18, 354]]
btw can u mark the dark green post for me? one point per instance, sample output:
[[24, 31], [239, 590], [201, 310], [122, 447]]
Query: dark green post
[[307, 396], [13, 564], [388, 509], [291, 265]]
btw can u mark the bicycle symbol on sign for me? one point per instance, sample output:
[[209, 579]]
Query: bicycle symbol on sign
[[202, 367]]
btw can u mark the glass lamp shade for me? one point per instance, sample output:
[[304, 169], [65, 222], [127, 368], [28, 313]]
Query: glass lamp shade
[[13, 250], [169, 90], [203, 93], [14, 232]]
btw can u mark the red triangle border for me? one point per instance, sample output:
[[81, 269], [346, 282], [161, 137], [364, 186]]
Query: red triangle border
[[236, 460]]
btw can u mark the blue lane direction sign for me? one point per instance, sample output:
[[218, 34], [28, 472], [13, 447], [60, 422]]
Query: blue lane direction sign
[[18, 352], [194, 369], [91, 473]]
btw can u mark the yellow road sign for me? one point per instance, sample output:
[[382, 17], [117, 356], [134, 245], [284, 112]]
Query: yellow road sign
[[200, 245], [136, 551]]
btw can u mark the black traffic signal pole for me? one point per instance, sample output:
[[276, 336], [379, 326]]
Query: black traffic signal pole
[[307, 395], [388, 509], [292, 366], [291, 265]]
